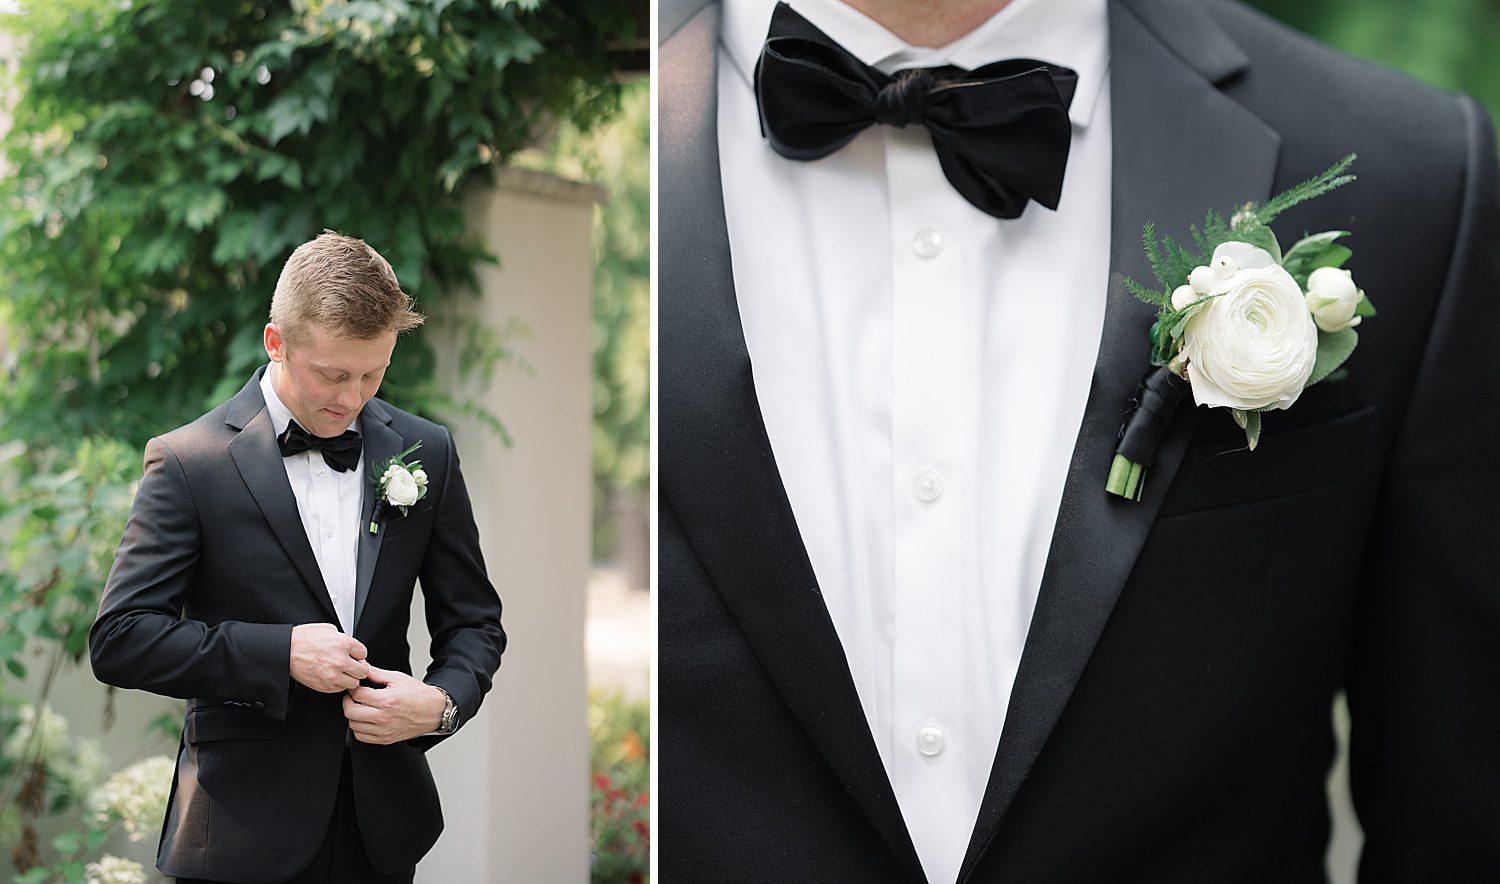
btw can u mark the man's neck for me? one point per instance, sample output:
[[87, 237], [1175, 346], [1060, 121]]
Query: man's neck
[[931, 23]]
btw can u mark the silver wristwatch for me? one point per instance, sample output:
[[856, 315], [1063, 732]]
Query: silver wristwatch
[[449, 722]]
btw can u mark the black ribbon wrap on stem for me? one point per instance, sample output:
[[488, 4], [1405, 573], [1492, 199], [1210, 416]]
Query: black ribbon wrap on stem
[[1150, 415]]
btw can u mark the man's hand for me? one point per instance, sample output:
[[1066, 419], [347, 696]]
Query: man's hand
[[326, 660], [406, 707]]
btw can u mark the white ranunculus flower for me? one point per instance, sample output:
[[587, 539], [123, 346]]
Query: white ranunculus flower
[[1332, 297], [420, 476], [1253, 345], [401, 489]]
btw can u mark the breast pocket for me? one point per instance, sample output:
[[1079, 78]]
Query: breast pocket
[[416, 519], [1226, 473]]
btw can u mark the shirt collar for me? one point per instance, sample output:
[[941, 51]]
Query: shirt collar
[[281, 416], [1071, 33]]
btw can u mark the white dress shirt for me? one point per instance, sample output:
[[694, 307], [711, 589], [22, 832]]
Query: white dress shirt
[[922, 369], [329, 503]]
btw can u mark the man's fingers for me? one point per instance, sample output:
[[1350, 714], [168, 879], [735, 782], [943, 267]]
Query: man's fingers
[[368, 733], [384, 676], [357, 650], [367, 696], [360, 713], [356, 669]]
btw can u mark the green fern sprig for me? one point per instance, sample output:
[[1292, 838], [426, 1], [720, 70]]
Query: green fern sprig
[[1313, 187]]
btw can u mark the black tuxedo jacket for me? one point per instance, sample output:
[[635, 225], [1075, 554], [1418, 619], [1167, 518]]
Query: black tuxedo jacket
[[1171, 717], [213, 571]]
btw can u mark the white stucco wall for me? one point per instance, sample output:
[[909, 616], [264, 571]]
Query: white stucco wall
[[515, 782]]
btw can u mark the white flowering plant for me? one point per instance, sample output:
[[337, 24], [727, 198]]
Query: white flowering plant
[[136, 796], [50, 773], [110, 869], [398, 483], [1247, 326]]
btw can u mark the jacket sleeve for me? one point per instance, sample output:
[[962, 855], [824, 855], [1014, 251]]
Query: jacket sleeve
[[140, 639], [1425, 676], [462, 607]]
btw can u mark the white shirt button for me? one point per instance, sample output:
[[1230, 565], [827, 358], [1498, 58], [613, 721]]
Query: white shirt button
[[927, 243], [328, 533], [322, 474], [930, 740], [927, 486]]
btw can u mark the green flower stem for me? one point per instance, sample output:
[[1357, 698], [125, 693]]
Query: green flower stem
[[1126, 478]]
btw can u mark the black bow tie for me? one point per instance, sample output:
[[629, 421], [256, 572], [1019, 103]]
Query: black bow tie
[[1001, 132], [340, 452]]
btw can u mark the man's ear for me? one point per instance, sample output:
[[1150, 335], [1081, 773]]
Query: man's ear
[[275, 343]]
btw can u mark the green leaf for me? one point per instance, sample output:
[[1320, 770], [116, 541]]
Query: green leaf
[[16, 667], [1313, 244], [68, 842], [30, 621], [1333, 349], [95, 839], [1252, 428], [1239, 416], [1364, 308], [35, 876]]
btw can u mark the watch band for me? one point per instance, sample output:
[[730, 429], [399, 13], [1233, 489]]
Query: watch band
[[449, 722]]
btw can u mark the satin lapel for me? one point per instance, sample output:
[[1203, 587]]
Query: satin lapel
[[1181, 147], [381, 443], [717, 469], [258, 459]]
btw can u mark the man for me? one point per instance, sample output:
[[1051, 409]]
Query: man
[[905, 634], [265, 576]]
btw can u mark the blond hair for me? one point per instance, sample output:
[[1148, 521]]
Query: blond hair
[[342, 284]]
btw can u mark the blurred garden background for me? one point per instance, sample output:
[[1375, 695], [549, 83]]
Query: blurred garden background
[[160, 159]]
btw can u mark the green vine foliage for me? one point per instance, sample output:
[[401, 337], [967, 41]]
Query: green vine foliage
[[168, 156]]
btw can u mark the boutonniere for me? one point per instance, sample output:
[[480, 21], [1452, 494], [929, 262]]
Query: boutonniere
[[1242, 325], [399, 484]]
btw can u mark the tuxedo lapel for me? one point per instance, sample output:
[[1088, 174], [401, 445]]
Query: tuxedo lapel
[[718, 473], [1181, 147], [381, 443], [258, 458]]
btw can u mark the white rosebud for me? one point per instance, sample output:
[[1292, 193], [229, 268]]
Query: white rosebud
[[1332, 298], [401, 490], [1182, 296], [1253, 345], [421, 477]]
